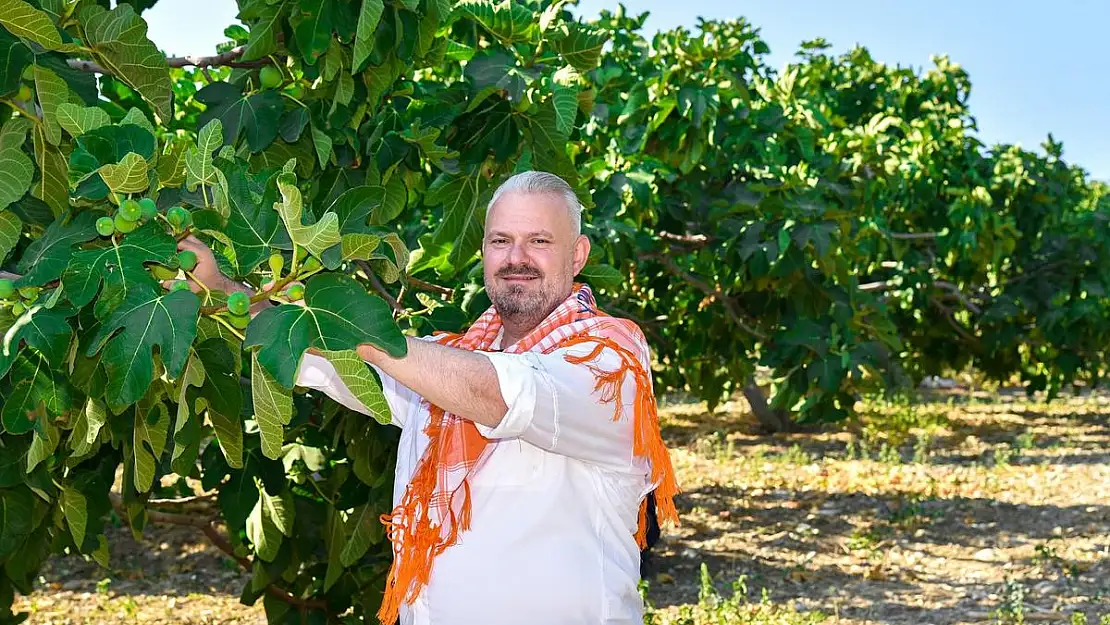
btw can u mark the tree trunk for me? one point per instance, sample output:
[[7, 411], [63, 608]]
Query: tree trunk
[[771, 420]]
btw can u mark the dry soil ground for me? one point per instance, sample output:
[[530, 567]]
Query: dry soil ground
[[960, 509]]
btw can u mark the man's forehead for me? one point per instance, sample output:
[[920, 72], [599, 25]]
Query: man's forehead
[[519, 210], [501, 232]]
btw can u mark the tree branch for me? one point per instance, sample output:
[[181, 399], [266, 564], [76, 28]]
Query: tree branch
[[207, 527], [911, 236], [180, 501], [428, 286], [1033, 273], [882, 285], [378, 286], [947, 314], [955, 292], [695, 240], [730, 306], [226, 59]]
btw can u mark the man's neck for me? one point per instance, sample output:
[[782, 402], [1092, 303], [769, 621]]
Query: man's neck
[[516, 328], [512, 334]]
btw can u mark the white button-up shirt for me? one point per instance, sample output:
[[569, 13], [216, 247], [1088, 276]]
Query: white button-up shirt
[[555, 507]]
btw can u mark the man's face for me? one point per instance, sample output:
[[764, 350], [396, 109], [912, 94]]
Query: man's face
[[530, 255]]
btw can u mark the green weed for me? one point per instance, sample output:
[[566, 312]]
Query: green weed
[[1047, 557], [913, 513], [797, 456], [716, 446], [1012, 610], [714, 609]]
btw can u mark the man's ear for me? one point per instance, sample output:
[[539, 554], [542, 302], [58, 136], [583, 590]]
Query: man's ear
[[581, 252]]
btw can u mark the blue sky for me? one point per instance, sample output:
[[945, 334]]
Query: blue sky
[[1036, 67]]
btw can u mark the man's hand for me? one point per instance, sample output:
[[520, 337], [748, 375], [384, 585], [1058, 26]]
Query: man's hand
[[206, 271]]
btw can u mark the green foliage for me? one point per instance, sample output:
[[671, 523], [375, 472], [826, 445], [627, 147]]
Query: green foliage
[[837, 223], [714, 608]]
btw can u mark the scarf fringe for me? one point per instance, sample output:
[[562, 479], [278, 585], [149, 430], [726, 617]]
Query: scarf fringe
[[409, 526], [647, 438]]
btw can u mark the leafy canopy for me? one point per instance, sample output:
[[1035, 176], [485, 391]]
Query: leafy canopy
[[827, 230]]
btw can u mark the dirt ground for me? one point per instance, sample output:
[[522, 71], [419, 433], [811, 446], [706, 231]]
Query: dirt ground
[[962, 509]]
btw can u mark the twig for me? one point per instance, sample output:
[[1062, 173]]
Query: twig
[[947, 314], [697, 240], [730, 305], [910, 236], [1031, 273], [7, 275], [952, 290], [882, 285], [955, 291], [378, 286], [226, 59], [177, 501], [206, 526], [428, 286]]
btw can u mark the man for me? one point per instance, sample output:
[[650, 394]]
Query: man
[[528, 443]]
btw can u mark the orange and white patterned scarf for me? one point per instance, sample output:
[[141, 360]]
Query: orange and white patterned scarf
[[436, 504]]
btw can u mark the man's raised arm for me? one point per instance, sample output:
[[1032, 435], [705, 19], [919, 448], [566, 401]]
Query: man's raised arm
[[459, 381], [541, 398]]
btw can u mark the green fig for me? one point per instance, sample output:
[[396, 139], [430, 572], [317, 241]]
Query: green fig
[[106, 226]]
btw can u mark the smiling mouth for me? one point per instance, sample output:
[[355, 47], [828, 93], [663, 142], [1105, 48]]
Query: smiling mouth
[[518, 278]]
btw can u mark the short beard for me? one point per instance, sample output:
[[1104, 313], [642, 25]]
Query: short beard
[[521, 306], [515, 303]]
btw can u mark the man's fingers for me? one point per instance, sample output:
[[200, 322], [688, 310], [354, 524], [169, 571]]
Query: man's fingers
[[269, 284], [190, 242], [193, 286]]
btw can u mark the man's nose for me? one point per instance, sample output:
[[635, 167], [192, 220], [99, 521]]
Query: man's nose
[[516, 254]]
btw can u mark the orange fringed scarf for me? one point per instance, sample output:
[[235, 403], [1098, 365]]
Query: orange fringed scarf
[[436, 504]]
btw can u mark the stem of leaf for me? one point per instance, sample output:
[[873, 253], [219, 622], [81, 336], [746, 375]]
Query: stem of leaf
[[229, 327], [400, 298], [309, 273], [316, 487], [22, 112], [302, 104], [295, 264], [202, 285]]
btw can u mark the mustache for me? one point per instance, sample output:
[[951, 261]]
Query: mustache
[[519, 270]]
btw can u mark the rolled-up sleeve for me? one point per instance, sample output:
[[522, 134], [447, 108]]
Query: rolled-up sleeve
[[317, 372], [553, 404]]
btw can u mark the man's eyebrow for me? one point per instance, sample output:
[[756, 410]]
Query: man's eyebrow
[[536, 233]]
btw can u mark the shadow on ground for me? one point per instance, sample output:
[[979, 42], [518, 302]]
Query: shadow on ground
[[831, 549]]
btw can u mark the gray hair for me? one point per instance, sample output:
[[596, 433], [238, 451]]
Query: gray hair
[[541, 182]]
